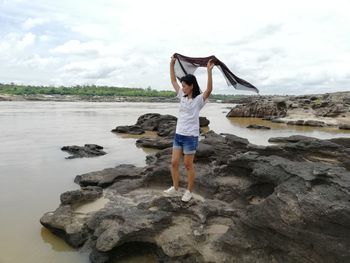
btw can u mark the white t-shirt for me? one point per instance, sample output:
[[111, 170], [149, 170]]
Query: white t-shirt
[[188, 119]]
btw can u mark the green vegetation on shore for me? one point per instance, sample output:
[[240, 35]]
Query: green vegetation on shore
[[92, 90]]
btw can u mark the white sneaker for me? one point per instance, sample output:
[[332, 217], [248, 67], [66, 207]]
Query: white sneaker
[[171, 191], [187, 196]]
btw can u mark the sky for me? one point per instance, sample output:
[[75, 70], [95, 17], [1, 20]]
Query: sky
[[281, 47]]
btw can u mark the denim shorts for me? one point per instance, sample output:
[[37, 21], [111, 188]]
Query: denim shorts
[[189, 144]]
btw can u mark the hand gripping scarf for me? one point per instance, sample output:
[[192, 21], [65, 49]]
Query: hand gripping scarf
[[187, 65]]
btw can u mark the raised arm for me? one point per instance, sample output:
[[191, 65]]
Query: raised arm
[[209, 89], [172, 75]]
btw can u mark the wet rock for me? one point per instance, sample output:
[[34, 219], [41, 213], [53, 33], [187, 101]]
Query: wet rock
[[256, 126], [277, 120], [292, 138], [344, 126], [130, 129], [88, 150], [64, 223], [314, 123], [298, 122]]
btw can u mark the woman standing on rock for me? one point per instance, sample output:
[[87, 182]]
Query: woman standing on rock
[[187, 127]]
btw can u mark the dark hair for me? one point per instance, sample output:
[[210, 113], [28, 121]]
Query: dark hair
[[190, 79]]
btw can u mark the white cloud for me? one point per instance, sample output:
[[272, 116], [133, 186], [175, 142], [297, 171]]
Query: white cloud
[[75, 47], [27, 40], [33, 22]]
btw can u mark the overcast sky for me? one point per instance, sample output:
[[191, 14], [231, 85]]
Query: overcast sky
[[294, 47]]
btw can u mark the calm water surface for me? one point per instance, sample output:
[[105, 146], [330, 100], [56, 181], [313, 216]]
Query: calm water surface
[[34, 171]]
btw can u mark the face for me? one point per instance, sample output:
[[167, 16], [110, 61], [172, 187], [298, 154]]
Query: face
[[187, 89]]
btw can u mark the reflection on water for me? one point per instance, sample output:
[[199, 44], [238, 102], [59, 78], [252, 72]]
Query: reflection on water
[[34, 171], [56, 243]]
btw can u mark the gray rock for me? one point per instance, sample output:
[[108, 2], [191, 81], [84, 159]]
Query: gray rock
[[276, 203], [292, 139], [298, 122], [344, 126], [259, 109], [156, 143], [130, 129], [277, 120], [88, 150], [203, 122], [64, 223], [256, 126], [314, 123], [274, 108], [108, 176], [84, 194]]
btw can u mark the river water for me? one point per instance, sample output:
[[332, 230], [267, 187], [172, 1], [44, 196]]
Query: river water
[[34, 171]]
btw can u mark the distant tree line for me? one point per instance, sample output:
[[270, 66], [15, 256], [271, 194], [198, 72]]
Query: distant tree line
[[92, 90]]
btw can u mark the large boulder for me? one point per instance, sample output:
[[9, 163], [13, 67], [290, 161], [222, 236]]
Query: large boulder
[[259, 108]]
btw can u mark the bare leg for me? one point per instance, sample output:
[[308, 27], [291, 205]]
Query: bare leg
[[175, 160], [188, 160]]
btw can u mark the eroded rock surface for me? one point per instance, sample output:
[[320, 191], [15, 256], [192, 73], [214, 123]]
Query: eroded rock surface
[[318, 110], [287, 202]]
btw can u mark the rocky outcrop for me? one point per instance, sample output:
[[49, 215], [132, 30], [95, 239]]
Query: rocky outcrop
[[287, 202], [259, 108], [88, 150], [320, 110], [164, 125]]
